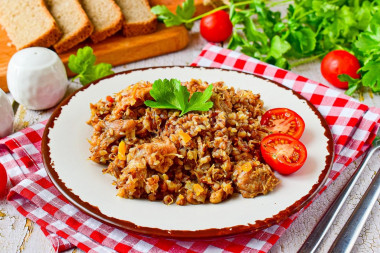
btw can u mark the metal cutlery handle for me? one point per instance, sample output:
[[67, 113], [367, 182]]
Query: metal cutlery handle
[[312, 242], [351, 230]]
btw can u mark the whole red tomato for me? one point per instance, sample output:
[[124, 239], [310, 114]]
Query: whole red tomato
[[216, 27], [339, 62], [3, 180]]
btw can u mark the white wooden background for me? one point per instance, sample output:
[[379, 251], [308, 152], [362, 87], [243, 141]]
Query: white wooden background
[[18, 234]]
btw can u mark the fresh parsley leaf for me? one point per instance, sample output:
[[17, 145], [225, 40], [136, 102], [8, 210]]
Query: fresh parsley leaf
[[170, 94], [82, 64], [183, 14], [303, 40], [236, 17], [252, 50], [375, 18], [101, 70], [363, 15], [353, 84], [371, 77], [278, 47], [82, 61], [187, 10], [235, 41], [282, 62], [345, 20], [198, 101], [369, 41], [165, 15], [253, 34], [324, 8]]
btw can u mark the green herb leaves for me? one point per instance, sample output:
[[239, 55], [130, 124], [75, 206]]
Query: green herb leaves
[[369, 41], [170, 94], [367, 49], [83, 64], [183, 14], [309, 30]]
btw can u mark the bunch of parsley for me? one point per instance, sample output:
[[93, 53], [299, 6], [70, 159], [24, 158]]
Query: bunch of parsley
[[308, 31], [367, 49]]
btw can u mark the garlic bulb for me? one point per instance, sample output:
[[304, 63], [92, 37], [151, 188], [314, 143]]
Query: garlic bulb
[[7, 115], [37, 78]]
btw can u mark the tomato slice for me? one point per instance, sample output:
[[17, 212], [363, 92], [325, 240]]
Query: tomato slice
[[283, 153], [283, 121]]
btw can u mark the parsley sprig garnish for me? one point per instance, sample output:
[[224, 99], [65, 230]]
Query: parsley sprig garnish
[[183, 14], [83, 64], [170, 94]]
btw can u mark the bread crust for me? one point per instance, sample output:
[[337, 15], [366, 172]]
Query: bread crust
[[86, 30], [47, 39], [98, 36], [140, 28], [82, 34]]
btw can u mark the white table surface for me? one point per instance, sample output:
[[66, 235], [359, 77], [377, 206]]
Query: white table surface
[[18, 234]]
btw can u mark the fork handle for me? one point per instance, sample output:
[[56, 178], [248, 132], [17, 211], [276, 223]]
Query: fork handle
[[312, 242], [351, 230]]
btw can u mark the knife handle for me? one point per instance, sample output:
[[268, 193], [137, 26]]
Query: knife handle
[[315, 238], [351, 230]]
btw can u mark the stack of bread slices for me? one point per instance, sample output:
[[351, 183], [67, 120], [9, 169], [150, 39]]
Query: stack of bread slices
[[65, 23]]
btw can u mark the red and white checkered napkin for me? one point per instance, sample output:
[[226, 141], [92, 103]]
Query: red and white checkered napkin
[[353, 125]]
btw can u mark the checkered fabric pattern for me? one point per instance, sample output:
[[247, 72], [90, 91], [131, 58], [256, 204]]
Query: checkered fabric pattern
[[353, 124]]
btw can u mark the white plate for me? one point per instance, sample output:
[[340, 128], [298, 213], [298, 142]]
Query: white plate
[[66, 152]]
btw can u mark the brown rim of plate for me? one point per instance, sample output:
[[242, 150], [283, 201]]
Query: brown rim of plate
[[94, 211]]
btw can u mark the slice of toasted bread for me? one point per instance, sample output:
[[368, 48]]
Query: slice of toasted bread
[[28, 23], [106, 17], [73, 22], [138, 17]]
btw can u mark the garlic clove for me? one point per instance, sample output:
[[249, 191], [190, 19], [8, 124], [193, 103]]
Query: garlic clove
[[6, 115]]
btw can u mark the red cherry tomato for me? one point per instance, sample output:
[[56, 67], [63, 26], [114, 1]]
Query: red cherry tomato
[[339, 62], [283, 121], [3, 180], [216, 27], [283, 153]]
